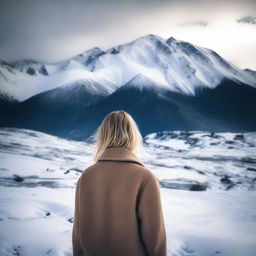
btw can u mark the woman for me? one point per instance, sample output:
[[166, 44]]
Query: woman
[[118, 208]]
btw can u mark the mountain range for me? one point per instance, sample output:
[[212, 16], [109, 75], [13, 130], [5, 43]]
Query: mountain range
[[165, 84]]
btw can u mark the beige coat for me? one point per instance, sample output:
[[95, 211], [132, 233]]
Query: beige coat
[[118, 209]]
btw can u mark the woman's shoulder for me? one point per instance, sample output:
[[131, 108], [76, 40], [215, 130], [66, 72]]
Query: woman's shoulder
[[145, 174], [89, 169], [140, 173]]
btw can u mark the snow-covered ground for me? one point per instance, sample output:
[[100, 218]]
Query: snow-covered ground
[[207, 189]]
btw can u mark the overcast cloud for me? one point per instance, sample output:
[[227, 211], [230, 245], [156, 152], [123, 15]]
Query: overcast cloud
[[52, 31]]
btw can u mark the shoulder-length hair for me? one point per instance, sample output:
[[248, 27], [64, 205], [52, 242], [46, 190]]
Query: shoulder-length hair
[[118, 129]]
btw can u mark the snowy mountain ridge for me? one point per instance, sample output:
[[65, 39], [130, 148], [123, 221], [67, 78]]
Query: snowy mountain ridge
[[172, 64]]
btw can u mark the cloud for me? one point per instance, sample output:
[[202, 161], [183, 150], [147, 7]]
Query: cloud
[[200, 23], [54, 30], [248, 20]]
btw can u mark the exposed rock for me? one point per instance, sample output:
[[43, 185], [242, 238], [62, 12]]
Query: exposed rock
[[251, 169], [226, 180], [198, 187], [183, 185], [214, 143], [43, 71], [31, 71], [229, 141], [239, 137], [248, 160], [17, 178], [73, 169], [49, 170], [71, 220]]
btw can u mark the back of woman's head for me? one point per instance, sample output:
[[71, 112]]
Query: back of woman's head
[[118, 129]]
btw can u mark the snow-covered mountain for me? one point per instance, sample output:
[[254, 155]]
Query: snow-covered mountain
[[174, 64], [165, 84], [75, 111]]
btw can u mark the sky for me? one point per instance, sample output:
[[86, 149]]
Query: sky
[[55, 30]]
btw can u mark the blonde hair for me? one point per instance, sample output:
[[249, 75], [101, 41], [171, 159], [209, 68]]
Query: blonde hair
[[118, 129]]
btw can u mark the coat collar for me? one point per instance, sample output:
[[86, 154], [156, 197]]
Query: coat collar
[[119, 154]]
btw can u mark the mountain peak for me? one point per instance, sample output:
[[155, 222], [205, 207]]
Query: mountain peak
[[171, 40], [91, 52], [148, 38]]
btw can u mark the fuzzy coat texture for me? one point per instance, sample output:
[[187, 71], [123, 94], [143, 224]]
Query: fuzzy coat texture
[[118, 209]]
